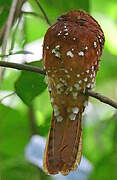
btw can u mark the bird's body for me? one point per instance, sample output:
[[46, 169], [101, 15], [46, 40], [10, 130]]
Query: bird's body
[[71, 54]]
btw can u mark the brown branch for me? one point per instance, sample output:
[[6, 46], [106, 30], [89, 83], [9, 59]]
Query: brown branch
[[36, 69], [102, 98], [44, 13], [22, 67]]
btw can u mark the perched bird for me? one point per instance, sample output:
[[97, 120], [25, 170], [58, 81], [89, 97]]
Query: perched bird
[[71, 54]]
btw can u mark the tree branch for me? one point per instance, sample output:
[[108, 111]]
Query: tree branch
[[102, 98], [7, 31], [22, 67], [42, 10], [36, 69], [8, 25]]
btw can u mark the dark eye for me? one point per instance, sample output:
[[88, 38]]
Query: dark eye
[[62, 18], [82, 20]]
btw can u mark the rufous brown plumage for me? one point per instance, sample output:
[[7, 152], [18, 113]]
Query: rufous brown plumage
[[71, 55]]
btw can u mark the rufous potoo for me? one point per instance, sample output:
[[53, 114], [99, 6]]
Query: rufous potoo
[[71, 54]]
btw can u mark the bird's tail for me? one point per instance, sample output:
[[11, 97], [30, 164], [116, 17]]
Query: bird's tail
[[64, 144]]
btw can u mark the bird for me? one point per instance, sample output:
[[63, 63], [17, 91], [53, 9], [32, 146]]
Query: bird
[[72, 50]]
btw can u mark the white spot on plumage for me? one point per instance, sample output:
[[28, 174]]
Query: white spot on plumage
[[55, 108], [66, 34], [92, 68], [56, 52], [49, 89], [53, 51], [65, 29], [100, 40], [56, 113], [52, 99], [74, 38], [72, 116], [63, 81], [70, 54], [59, 34], [85, 79], [66, 71], [95, 44], [72, 49], [87, 71], [92, 85], [81, 53], [94, 74], [77, 86], [59, 85], [65, 26], [59, 118], [93, 80], [91, 75], [74, 95], [75, 110], [71, 88], [88, 85], [57, 47], [96, 63], [68, 76], [78, 75], [47, 47], [86, 47], [80, 81]]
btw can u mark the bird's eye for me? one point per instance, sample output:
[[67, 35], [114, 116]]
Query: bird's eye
[[62, 18], [83, 20]]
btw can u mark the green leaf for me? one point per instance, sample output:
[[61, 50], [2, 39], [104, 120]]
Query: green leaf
[[14, 132], [5, 3], [4, 10], [43, 115], [34, 28], [9, 79], [14, 136], [99, 140], [20, 169], [30, 84]]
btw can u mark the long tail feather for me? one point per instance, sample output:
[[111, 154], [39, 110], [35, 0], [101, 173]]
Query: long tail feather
[[63, 147]]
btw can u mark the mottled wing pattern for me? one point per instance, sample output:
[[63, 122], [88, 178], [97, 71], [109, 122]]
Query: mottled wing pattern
[[71, 54]]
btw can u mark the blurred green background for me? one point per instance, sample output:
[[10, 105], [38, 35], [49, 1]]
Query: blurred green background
[[29, 111]]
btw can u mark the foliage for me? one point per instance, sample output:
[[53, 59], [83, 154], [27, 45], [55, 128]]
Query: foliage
[[30, 84], [100, 124]]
